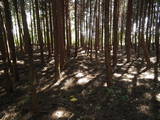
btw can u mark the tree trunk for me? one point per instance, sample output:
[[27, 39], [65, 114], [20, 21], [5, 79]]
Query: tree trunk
[[39, 30], [9, 30], [8, 83], [107, 44], [76, 30], [115, 31], [59, 36], [15, 3], [29, 51], [128, 30]]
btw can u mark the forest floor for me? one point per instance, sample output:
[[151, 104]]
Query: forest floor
[[82, 92]]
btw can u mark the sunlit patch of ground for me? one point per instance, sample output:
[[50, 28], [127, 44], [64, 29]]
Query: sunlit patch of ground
[[83, 81], [21, 62], [8, 115], [158, 97], [147, 75], [117, 75], [1, 72], [144, 109], [94, 97], [68, 84], [79, 75], [132, 70], [61, 113], [147, 96], [153, 59]]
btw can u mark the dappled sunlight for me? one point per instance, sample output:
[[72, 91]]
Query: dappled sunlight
[[61, 113], [1, 4], [79, 75], [128, 76], [153, 59], [143, 69], [63, 73], [44, 69], [86, 79], [117, 75], [44, 88], [79, 60], [37, 60], [79, 79], [147, 75], [126, 80], [105, 84], [68, 84], [51, 62], [158, 97], [83, 81], [120, 64], [58, 82], [43, 74], [132, 70], [82, 52], [124, 68], [125, 77], [147, 96], [1, 72], [145, 109], [2, 91], [37, 54], [8, 115], [83, 66], [21, 62]]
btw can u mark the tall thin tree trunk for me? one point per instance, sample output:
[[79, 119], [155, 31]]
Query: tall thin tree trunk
[[29, 51], [115, 31], [128, 30], [107, 44], [9, 30], [59, 33], [76, 30], [39, 30], [15, 3], [3, 49]]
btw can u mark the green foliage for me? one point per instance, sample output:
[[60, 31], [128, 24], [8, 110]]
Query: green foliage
[[73, 99]]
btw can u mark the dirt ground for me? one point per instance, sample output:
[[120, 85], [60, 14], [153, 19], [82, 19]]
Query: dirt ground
[[82, 92]]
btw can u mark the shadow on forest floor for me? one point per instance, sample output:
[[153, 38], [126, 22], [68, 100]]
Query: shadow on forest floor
[[82, 93]]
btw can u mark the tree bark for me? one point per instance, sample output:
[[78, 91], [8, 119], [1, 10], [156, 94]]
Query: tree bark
[[115, 31], [29, 51], [39, 30], [107, 44], [9, 30], [128, 30]]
